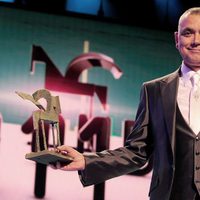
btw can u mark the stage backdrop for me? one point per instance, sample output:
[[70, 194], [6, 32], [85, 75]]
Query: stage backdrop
[[36, 51]]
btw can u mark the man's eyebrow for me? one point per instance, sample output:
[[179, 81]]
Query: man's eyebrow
[[187, 29]]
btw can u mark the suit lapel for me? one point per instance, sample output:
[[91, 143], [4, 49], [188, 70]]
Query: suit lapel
[[169, 88]]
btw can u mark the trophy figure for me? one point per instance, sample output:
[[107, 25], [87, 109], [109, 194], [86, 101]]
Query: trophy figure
[[49, 115]]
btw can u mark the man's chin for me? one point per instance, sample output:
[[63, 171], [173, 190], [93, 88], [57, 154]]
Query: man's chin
[[194, 67], [193, 64]]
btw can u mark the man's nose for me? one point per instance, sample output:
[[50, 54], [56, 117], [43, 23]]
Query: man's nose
[[196, 38]]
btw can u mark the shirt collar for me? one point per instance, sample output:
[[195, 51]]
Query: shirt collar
[[187, 72]]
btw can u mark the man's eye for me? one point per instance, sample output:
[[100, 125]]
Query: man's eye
[[186, 34]]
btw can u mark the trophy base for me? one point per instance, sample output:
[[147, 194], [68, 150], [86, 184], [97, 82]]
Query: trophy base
[[48, 157]]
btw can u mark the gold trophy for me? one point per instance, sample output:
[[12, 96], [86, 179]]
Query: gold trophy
[[49, 115]]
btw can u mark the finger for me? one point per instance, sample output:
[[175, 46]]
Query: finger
[[53, 166], [56, 165], [69, 167], [66, 150]]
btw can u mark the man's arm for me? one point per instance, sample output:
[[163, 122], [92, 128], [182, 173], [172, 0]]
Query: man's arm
[[98, 167]]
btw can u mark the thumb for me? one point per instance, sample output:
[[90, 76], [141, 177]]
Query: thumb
[[67, 150]]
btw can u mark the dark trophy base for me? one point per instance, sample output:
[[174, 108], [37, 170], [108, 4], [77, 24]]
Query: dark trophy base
[[48, 157]]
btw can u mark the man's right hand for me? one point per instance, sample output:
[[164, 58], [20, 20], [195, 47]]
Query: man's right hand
[[78, 162]]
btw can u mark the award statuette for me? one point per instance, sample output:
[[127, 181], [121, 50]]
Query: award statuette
[[49, 115]]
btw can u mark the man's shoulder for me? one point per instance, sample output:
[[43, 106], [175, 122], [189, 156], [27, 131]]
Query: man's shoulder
[[165, 78]]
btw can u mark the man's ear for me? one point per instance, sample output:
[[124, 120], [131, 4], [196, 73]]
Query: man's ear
[[176, 39]]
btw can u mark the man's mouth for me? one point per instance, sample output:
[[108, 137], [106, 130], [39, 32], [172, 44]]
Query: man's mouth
[[195, 50]]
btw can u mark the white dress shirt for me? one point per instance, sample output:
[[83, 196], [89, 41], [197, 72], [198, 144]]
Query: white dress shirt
[[184, 88]]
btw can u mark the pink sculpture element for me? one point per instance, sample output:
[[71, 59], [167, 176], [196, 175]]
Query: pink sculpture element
[[89, 60], [70, 83]]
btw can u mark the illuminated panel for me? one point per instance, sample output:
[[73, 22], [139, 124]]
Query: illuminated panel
[[86, 7], [7, 1]]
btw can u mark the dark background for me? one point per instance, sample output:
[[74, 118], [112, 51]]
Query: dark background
[[158, 14]]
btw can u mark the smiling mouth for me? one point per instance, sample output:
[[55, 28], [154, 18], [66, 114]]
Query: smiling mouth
[[194, 50]]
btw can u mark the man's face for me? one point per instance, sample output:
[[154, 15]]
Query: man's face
[[188, 40]]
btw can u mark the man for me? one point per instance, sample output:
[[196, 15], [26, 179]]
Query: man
[[164, 127]]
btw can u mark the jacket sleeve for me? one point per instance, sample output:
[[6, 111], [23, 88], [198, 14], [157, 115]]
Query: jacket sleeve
[[101, 166]]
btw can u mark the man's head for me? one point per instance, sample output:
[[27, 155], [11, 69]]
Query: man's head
[[188, 37]]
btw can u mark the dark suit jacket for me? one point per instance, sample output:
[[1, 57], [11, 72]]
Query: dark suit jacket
[[153, 133]]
